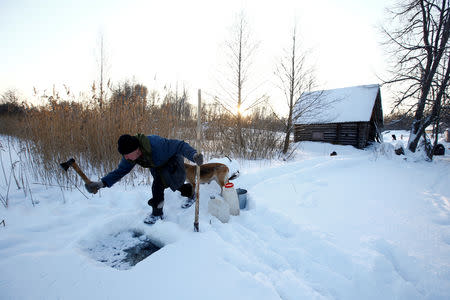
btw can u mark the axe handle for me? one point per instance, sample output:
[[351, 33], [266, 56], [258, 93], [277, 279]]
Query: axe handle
[[83, 176]]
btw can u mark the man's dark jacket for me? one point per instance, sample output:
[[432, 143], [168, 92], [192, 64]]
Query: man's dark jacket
[[163, 156]]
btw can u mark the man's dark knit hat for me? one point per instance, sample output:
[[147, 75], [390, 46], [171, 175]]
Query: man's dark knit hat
[[127, 144]]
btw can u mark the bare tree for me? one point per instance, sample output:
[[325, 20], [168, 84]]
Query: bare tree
[[9, 96], [129, 91], [443, 113], [10, 103], [295, 78], [238, 96], [103, 67], [418, 40]]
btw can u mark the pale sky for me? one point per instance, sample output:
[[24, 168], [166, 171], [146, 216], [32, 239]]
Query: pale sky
[[54, 42]]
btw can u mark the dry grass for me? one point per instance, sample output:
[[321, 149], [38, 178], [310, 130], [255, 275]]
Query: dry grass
[[88, 130], [14, 170]]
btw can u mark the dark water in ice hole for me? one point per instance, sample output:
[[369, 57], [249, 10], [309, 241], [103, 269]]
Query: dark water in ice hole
[[140, 251]]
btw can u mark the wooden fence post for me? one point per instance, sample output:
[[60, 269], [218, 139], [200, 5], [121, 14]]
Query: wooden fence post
[[199, 150]]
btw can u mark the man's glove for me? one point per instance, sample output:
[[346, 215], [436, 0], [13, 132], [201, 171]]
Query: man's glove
[[198, 159], [93, 187]]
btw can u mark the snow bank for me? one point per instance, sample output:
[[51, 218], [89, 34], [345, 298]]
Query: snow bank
[[358, 225]]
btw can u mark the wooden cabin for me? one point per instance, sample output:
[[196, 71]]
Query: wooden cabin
[[345, 116]]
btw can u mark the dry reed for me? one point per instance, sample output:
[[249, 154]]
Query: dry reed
[[88, 130]]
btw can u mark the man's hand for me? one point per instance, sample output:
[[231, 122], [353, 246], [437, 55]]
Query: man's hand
[[93, 187], [198, 159]]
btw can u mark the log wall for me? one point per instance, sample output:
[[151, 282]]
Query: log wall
[[354, 133]]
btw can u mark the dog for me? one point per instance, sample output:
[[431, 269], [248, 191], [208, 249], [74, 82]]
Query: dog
[[209, 172]]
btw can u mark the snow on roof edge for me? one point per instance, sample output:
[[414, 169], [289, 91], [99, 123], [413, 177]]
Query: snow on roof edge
[[348, 104]]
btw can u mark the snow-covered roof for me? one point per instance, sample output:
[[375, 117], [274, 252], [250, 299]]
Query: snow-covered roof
[[350, 104]]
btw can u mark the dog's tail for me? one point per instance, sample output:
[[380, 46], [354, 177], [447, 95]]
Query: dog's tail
[[234, 175]]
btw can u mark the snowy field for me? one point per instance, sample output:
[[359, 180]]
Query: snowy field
[[365, 224]]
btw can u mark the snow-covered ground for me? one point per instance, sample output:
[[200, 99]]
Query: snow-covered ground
[[364, 224]]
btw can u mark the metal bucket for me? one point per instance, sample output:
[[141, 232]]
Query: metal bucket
[[242, 195]]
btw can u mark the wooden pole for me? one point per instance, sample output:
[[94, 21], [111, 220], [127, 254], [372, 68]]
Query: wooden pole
[[197, 170]]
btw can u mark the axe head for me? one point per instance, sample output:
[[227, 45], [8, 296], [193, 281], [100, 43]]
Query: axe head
[[66, 165]]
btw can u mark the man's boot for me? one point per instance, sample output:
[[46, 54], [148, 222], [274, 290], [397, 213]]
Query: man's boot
[[156, 214], [187, 191]]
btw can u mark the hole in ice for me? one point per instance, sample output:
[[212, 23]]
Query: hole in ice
[[123, 250]]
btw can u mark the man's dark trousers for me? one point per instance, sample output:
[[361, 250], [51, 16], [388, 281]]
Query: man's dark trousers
[[157, 202]]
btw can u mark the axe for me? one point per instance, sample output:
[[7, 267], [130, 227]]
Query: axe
[[71, 163]]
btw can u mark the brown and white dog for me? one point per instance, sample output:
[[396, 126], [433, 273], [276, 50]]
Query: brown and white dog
[[209, 172]]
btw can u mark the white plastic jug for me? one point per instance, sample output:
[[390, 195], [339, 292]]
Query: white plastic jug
[[231, 197], [219, 209]]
